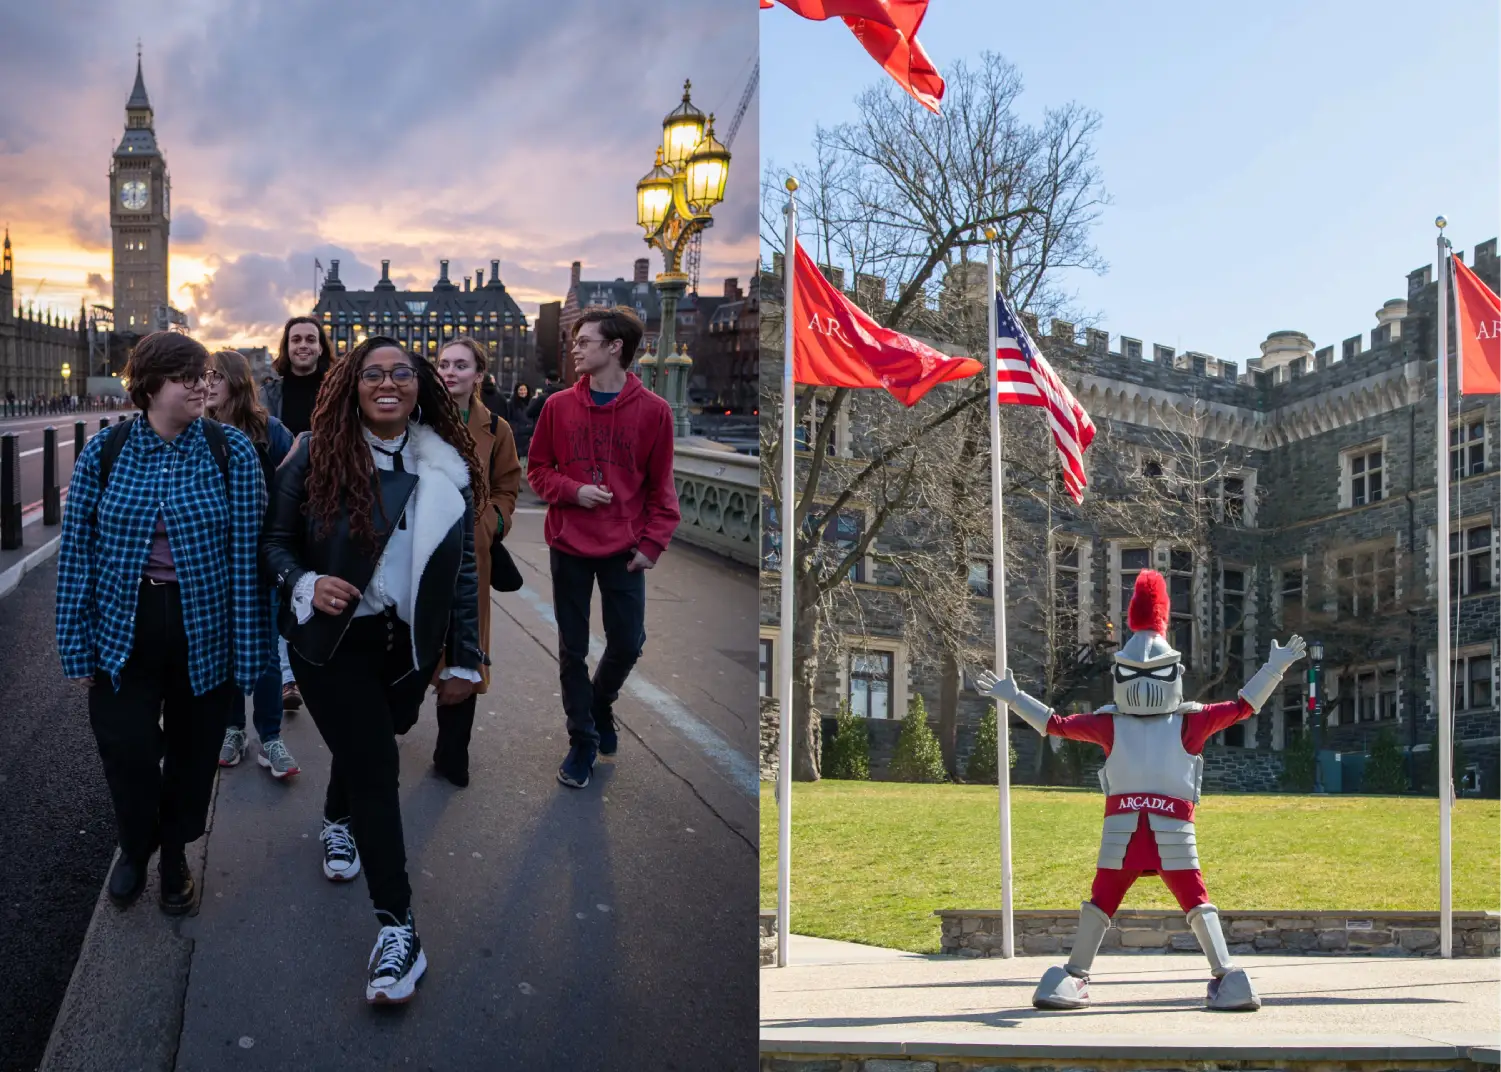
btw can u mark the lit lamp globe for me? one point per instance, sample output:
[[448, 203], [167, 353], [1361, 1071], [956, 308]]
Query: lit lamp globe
[[654, 196], [682, 130], [708, 168]]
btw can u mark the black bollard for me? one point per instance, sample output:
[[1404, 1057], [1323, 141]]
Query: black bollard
[[120, 419], [51, 501], [104, 424], [10, 492], [80, 433]]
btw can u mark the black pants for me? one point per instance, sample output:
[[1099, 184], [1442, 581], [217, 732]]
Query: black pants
[[455, 724], [158, 742], [622, 596], [360, 699]]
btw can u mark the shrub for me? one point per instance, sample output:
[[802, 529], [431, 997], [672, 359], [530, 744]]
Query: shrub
[[1427, 766], [919, 757], [981, 766], [1386, 767], [1297, 764], [847, 756]]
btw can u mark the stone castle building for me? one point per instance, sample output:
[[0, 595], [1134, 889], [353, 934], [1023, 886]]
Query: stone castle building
[[1323, 523], [34, 347], [420, 320]]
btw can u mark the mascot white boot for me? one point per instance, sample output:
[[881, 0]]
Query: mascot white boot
[[1154, 763]]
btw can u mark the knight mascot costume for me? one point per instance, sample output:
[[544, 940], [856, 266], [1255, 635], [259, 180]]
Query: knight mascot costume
[[1154, 763]]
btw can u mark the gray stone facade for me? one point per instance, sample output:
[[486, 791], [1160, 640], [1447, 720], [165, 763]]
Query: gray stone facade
[[1298, 428]]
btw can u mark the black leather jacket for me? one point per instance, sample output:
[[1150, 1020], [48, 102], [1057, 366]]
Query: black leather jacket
[[447, 598]]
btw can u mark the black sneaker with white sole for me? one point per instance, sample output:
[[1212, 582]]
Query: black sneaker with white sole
[[396, 962], [341, 859]]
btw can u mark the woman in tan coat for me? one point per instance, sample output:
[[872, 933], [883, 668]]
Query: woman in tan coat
[[461, 364]]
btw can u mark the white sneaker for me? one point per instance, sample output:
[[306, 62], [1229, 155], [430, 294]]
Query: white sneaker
[[275, 758], [341, 860], [396, 962], [233, 749]]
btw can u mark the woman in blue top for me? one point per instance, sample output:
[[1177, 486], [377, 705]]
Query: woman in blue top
[[161, 615], [232, 400]]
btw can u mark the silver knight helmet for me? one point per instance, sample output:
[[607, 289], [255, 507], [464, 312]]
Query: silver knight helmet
[[1148, 673]]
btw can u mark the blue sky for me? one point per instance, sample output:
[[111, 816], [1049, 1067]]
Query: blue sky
[[1268, 171]]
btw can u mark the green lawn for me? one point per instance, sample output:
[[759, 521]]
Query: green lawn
[[872, 860]]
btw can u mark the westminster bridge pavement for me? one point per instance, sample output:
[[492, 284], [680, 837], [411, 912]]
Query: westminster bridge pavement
[[603, 928]]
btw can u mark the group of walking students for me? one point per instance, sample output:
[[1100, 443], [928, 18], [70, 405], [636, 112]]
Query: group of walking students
[[361, 503]]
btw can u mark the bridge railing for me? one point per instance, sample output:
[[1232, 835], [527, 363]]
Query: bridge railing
[[720, 498]]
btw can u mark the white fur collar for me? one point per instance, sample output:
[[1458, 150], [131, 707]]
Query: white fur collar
[[434, 455]]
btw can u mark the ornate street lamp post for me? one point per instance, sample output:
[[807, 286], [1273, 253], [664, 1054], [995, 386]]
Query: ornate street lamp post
[[1316, 707], [673, 203], [67, 371]]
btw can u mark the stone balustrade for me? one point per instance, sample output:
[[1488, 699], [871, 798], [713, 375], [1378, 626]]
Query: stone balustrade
[[719, 496], [977, 932]]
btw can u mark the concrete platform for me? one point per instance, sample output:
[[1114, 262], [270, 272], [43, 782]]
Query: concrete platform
[[862, 1004]]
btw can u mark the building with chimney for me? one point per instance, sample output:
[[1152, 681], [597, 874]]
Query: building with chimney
[[637, 294], [1317, 504], [421, 320]]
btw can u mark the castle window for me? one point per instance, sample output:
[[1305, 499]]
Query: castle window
[[1233, 593], [1365, 476], [1133, 561], [1471, 678], [982, 579], [1294, 704], [1066, 595], [1180, 598], [1292, 598], [1470, 560], [766, 666], [1366, 582], [870, 674], [1233, 491], [1467, 448]]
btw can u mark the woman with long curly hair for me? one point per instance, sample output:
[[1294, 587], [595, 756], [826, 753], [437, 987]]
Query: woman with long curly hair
[[462, 363], [232, 400], [370, 540]]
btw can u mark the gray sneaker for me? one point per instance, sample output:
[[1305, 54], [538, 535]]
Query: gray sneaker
[[233, 749], [277, 759]]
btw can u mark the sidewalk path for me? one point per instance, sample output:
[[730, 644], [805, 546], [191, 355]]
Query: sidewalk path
[[600, 929], [853, 993]]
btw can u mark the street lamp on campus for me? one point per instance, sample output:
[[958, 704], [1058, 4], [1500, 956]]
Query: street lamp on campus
[[674, 202], [1315, 706]]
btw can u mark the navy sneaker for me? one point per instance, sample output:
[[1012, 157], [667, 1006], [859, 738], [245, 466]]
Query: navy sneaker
[[609, 740], [574, 772]]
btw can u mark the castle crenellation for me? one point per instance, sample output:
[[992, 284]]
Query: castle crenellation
[[1289, 368]]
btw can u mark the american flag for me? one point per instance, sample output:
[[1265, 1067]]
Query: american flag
[[1024, 378]]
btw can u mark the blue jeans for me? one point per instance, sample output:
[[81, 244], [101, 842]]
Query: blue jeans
[[266, 700]]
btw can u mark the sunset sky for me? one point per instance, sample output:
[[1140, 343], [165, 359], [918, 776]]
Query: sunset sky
[[469, 130]]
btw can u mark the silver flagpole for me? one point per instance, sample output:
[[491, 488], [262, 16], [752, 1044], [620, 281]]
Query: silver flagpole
[[1443, 702], [998, 596], [789, 560]]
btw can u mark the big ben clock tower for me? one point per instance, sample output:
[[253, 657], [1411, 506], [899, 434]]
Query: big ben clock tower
[[139, 208]]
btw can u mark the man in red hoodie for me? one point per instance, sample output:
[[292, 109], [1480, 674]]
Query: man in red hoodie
[[601, 458]]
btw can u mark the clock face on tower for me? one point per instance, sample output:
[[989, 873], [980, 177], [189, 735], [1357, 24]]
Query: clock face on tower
[[133, 195]]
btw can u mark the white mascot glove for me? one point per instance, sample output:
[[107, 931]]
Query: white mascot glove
[[1265, 681], [1033, 711], [1281, 658], [1003, 689]]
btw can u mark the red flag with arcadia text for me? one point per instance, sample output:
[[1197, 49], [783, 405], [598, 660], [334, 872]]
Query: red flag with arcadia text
[[1479, 332], [835, 344], [887, 29]]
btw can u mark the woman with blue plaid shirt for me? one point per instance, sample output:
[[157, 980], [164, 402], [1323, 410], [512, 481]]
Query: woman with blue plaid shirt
[[157, 558]]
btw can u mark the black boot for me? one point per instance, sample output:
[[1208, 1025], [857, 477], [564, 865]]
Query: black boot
[[177, 893], [451, 755], [126, 879]]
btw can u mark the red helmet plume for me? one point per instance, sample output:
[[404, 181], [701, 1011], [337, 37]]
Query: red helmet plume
[[1149, 603]]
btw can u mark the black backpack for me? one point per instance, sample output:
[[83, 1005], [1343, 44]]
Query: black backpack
[[114, 443]]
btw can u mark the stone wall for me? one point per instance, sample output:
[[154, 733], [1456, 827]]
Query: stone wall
[[768, 929], [977, 932], [770, 716]]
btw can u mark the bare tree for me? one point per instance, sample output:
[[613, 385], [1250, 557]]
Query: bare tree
[[902, 198]]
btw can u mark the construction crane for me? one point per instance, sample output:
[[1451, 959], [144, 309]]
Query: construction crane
[[696, 243]]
